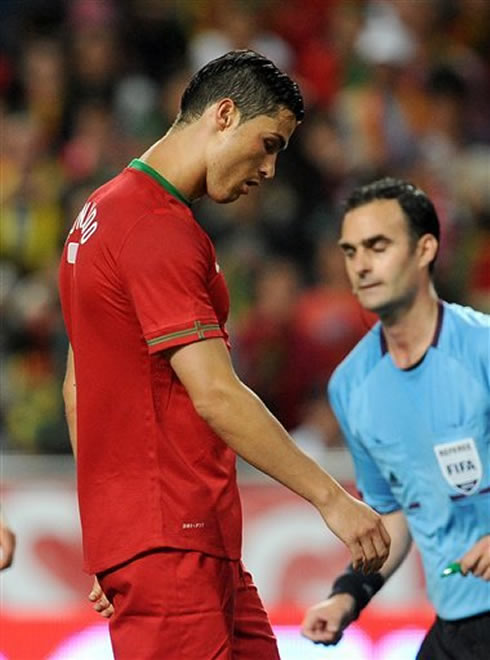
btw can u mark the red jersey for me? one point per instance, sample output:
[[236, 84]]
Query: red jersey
[[139, 275]]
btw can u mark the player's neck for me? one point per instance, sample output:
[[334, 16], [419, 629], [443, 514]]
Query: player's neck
[[409, 335], [178, 158]]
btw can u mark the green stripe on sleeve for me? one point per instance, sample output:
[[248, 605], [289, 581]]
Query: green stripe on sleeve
[[199, 329]]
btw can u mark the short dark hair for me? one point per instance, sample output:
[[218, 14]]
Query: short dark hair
[[417, 208], [251, 80]]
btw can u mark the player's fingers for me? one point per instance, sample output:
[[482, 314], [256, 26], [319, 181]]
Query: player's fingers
[[357, 555], [104, 611], [108, 612], [101, 604], [371, 560], [96, 591], [382, 550], [385, 538]]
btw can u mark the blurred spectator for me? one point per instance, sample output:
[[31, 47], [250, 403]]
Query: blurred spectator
[[236, 24], [328, 60], [43, 84], [32, 367], [327, 313], [94, 151], [31, 188], [156, 36], [378, 119], [274, 357]]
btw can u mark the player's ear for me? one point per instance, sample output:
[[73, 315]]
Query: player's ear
[[226, 114], [427, 249]]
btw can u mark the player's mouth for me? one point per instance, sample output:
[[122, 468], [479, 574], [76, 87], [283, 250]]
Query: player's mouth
[[247, 185]]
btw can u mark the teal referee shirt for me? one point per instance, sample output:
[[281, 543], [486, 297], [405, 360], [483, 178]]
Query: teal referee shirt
[[420, 440]]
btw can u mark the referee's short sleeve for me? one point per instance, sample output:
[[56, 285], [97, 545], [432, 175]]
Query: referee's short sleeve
[[371, 484]]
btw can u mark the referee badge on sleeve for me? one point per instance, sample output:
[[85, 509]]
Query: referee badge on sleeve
[[460, 464]]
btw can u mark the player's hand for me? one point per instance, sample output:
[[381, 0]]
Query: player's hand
[[361, 529], [7, 546], [100, 601], [325, 622], [477, 559]]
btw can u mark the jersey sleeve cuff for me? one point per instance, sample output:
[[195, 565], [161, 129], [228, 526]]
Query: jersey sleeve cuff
[[183, 334]]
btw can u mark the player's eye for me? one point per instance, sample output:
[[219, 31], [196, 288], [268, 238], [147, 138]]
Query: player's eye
[[270, 146]]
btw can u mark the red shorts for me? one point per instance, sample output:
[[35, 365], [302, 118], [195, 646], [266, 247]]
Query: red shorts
[[178, 605]]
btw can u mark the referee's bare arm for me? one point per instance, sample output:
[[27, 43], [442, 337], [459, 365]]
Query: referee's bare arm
[[240, 418]]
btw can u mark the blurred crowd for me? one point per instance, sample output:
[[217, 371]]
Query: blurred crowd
[[398, 87]]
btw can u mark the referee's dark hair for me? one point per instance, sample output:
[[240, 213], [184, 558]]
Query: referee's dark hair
[[417, 208], [251, 80]]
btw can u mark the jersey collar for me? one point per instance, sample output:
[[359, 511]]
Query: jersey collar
[[435, 338], [137, 164]]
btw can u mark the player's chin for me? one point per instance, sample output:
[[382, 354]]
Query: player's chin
[[227, 194], [229, 200], [226, 197]]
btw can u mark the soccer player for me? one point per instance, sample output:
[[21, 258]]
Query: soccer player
[[155, 410], [413, 401]]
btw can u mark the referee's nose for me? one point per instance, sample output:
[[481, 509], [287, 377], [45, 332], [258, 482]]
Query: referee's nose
[[362, 263]]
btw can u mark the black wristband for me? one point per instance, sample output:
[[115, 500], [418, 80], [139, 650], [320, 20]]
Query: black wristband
[[361, 587]]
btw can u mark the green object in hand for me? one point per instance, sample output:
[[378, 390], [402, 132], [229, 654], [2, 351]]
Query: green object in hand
[[451, 569]]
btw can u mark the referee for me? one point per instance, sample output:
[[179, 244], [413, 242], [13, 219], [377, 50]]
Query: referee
[[413, 401]]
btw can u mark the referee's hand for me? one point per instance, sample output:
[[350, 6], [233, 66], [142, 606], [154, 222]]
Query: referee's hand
[[361, 529], [325, 622], [477, 559]]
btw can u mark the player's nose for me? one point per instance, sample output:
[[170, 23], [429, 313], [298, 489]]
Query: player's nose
[[268, 167]]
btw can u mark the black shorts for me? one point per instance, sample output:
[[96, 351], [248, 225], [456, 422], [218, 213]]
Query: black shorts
[[463, 639]]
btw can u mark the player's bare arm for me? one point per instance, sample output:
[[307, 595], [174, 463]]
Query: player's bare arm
[[100, 602], [325, 621], [240, 418], [70, 399]]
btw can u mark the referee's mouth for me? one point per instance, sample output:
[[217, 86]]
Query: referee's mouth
[[363, 287]]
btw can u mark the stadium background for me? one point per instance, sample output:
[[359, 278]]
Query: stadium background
[[399, 87]]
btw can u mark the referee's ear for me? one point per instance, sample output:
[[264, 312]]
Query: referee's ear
[[427, 248]]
